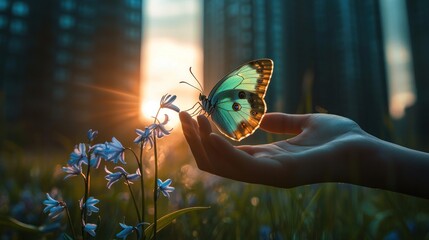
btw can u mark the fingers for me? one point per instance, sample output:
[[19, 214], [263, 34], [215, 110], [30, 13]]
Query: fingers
[[216, 155], [190, 130], [238, 165], [284, 123], [203, 122]]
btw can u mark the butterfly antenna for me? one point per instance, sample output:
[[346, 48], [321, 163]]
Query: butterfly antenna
[[190, 70], [199, 89], [190, 85]]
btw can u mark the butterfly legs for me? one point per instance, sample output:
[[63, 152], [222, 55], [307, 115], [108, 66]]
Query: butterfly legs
[[197, 109]]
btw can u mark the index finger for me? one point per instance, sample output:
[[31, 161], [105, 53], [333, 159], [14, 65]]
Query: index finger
[[193, 138]]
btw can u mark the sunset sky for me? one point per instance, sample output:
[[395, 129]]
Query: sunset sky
[[171, 44]]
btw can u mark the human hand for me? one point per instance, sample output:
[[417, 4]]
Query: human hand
[[324, 148]]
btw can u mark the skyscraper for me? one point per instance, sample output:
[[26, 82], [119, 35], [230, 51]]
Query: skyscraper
[[328, 55], [68, 65], [419, 36]]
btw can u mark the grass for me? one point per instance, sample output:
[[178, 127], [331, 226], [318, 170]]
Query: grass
[[238, 210]]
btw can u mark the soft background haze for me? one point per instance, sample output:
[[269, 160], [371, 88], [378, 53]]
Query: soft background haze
[[70, 65]]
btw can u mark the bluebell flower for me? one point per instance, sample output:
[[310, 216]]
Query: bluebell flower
[[78, 155], [127, 230], [98, 151], [95, 161], [114, 151], [90, 228], [115, 176], [133, 176], [164, 187], [91, 134], [144, 137], [167, 102], [90, 203], [54, 207], [72, 170], [159, 128]]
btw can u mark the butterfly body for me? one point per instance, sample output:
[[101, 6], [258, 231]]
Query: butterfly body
[[236, 104]]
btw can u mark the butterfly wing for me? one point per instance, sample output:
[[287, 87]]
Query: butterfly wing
[[238, 99]]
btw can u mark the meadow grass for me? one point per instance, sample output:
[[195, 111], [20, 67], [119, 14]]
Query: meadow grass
[[238, 210]]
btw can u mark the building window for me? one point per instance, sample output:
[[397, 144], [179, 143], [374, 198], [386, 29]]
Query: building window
[[132, 33], [133, 18], [15, 45], [3, 4], [86, 28], [61, 75], [84, 45], [86, 10], [68, 5], [20, 9], [66, 21], [63, 57], [18, 26], [84, 62], [133, 3], [65, 40], [3, 22]]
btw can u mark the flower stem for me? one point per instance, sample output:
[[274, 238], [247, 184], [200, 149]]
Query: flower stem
[[140, 165], [70, 222], [140, 162], [84, 208], [134, 201], [155, 188]]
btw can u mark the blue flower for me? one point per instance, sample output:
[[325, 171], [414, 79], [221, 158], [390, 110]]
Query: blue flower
[[90, 228], [90, 203], [98, 151], [127, 230], [54, 207], [72, 170], [114, 177], [164, 187], [114, 151], [144, 137], [91, 134], [167, 102], [159, 128], [78, 155]]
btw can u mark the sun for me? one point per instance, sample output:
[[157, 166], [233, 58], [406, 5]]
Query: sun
[[148, 109]]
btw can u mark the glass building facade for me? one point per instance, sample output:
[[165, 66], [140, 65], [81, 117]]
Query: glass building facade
[[60, 61], [418, 24], [328, 55]]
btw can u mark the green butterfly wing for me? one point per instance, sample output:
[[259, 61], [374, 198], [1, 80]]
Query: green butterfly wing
[[238, 99]]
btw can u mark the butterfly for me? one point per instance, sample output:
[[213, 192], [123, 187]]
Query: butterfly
[[236, 103]]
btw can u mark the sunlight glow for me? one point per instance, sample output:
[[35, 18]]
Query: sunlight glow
[[398, 57], [149, 108], [167, 53]]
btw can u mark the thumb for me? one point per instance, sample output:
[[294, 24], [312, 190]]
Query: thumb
[[284, 123]]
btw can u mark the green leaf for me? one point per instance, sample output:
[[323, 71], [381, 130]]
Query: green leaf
[[10, 222], [66, 237], [163, 221]]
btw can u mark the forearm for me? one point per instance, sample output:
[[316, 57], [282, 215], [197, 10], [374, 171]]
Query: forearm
[[404, 170], [390, 167]]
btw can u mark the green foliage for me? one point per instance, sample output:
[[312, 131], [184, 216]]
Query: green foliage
[[167, 219], [238, 210], [12, 223]]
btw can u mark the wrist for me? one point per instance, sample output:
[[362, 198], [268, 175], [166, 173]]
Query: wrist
[[395, 168]]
